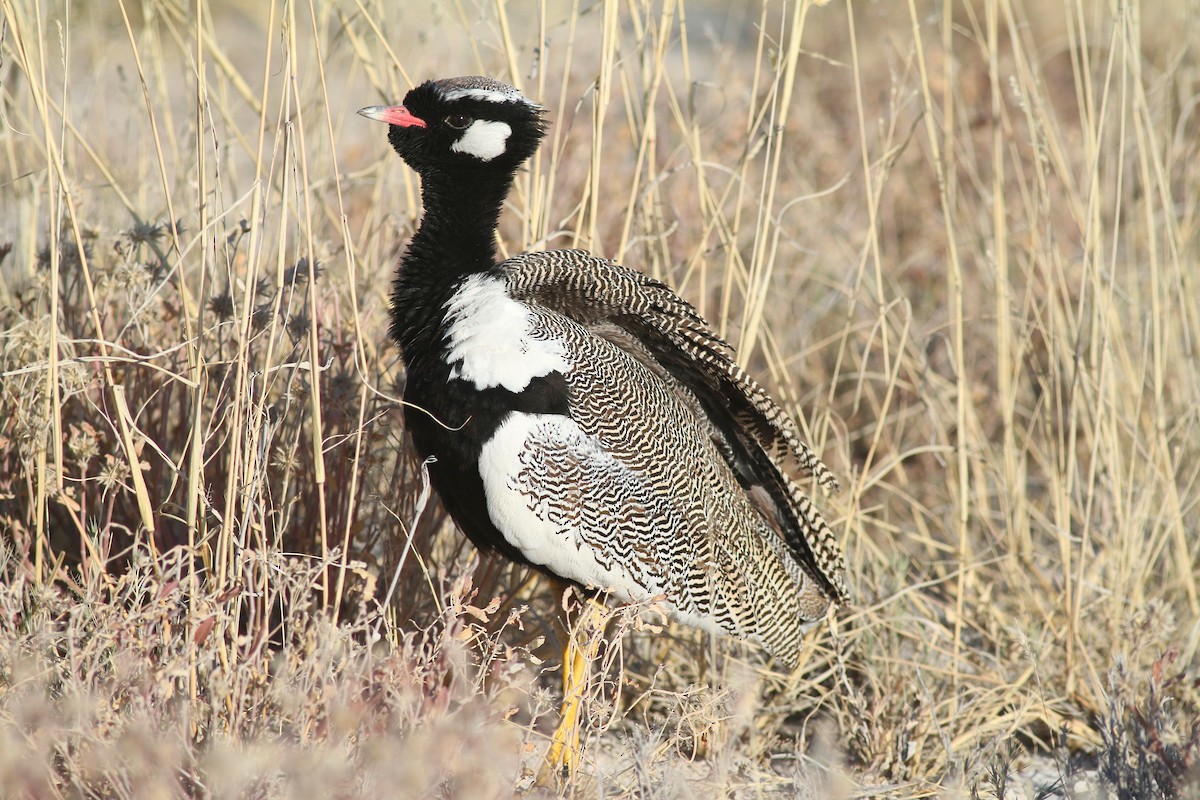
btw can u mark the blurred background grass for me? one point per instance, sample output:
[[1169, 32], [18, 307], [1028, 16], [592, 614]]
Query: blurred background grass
[[958, 239]]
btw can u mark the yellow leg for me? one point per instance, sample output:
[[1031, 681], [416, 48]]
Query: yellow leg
[[583, 643]]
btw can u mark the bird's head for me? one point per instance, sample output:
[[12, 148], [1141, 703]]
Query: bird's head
[[462, 123]]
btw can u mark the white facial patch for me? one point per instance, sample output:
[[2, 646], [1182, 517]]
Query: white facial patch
[[484, 139], [490, 341]]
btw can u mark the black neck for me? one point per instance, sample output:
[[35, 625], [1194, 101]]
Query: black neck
[[456, 237], [461, 213]]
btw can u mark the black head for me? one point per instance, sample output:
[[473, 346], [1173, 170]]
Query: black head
[[462, 123]]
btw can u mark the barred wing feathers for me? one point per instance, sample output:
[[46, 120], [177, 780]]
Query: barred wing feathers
[[757, 438]]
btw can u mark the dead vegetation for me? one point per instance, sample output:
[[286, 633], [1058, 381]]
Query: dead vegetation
[[959, 239]]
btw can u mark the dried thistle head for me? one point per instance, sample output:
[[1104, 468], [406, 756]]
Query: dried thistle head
[[130, 277], [73, 377], [25, 342], [261, 316], [235, 235], [221, 305], [71, 255], [113, 472], [298, 325], [342, 386], [83, 441], [302, 270], [145, 232]]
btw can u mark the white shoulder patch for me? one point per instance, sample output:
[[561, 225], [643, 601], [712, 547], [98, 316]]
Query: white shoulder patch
[[485, 139], [490, 341]]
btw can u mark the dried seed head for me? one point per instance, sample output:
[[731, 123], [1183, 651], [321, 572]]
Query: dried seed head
[[69, 258], [302, 271], [83, 441], [221, 305], [144, 232], [261, 316], [298, 325], [112, 472]]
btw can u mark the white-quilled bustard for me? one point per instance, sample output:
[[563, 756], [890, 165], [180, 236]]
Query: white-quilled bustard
[[582, 417]]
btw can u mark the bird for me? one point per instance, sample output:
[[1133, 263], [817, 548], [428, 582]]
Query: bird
[[580, 417]]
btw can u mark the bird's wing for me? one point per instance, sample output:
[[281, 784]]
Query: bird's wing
[[758, 439], [629, 492]]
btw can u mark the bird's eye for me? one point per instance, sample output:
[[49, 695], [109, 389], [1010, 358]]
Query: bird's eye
[[458, 121]]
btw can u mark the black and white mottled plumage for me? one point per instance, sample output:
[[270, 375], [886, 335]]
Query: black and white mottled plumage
[[584, 418]]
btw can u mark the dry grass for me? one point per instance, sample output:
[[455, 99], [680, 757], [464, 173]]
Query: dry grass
[[959, 240]]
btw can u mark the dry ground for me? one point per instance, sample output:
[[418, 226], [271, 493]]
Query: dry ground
[[959, 239]]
